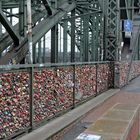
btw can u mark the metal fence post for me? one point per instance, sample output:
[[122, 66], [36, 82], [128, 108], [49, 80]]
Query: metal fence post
[[116, 75], [31, 96], [113, 67], [96, 79], [74, 86]]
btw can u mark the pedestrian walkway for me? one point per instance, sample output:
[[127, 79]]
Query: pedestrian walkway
[[129, 95]]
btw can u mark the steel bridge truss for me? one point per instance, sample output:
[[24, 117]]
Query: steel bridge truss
[[79, 30]]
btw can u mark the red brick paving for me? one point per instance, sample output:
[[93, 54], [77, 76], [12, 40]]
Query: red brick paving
[[120, 97]]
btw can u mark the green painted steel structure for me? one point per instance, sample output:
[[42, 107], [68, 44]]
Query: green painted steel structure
[[90, 30]]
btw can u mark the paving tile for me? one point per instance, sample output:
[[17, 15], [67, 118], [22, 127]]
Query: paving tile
[[104, 126], [126, 107], [119, 115]]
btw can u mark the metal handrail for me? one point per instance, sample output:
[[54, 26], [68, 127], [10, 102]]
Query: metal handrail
[[20, 66]]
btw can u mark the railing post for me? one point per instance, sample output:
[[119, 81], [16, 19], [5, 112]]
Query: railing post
[[74, 86], [96, 78], [111, 74], [113, 67], [116, 75], [31, 97]]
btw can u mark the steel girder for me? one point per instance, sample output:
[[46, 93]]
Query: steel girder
[[73, 36], [38, 31], [89, 29], [88, 48], [65, 41], [6, 23], [127, 9], [6, 40], [47, 6], [41, 29], [78, 37], [9, 4], [111, 29]]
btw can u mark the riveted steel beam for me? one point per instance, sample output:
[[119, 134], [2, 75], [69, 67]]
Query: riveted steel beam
[[73, 37], [5, 22], [22, 18], [54, 44], [38, 31], [6, 40], [112, 30], [47, 6]]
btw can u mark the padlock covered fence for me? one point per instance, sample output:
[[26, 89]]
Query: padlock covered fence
[[14, 102], [30, 95], [125, 72]]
